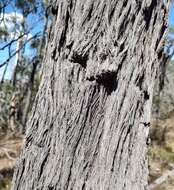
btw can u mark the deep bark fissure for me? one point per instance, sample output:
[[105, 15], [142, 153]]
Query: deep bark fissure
[[148, 11]]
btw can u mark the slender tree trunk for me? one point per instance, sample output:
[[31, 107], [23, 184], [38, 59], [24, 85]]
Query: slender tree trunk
[[12, 115], [29, 95], [90, 122], [35, 63], [17, 59]]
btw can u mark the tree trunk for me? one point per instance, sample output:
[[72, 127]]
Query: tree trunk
[[90, 122], [26, 110], [13, 112], [35, 64], [17, 60]]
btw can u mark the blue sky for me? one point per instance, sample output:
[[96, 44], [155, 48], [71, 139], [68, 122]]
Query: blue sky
[[38, 27], [171, 14], [32, 20]]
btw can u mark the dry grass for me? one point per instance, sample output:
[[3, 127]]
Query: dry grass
[[161, 154], [9, 151]]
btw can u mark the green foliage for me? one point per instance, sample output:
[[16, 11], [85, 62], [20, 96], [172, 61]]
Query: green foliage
[[3, 33], [162, 153], [45, 2], [7, 91], [35, 43], [20, 84], [20, 3], [5, 96], [26, 6], [171, 29], [156, 100], [5, 184]]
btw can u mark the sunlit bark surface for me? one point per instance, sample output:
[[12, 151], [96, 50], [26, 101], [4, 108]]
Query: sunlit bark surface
[[89, 125]]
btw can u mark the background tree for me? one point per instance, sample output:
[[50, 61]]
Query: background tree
[[89, 125], [17, 31], [163, 93]]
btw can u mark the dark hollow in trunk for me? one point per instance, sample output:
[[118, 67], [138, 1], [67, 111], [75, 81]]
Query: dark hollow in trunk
[[88, 128]]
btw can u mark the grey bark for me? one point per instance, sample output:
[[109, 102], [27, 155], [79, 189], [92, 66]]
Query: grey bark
[[90, 122], [35, 64]]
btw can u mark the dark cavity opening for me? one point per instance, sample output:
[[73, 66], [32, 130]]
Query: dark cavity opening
[[107, 79], [146, 95], [81, 59], [148, 11]]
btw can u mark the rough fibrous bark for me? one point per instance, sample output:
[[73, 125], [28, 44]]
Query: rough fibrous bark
[[90, 122]]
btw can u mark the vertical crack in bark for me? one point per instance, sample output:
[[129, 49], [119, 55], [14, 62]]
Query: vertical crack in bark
[[148, 11], [43, 164]]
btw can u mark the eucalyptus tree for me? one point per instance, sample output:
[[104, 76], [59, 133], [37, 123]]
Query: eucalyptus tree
[[90, 121], [18, 35]]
